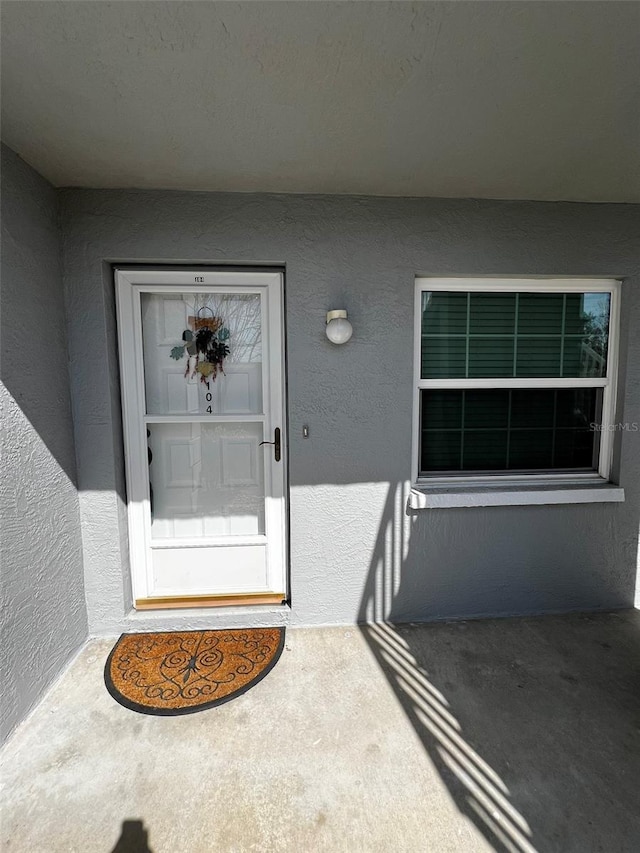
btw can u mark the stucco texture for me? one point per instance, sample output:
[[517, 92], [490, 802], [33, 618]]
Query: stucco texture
[[490, 100], [355, 552], [43, 608]]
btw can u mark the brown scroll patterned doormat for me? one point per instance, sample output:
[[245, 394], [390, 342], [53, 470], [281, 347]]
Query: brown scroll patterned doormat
[[182, 672]]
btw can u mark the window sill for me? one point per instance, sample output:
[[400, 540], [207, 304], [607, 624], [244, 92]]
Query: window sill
[[431, 497]]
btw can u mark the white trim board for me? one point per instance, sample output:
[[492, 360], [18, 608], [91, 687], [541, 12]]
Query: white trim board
[[424, 498]]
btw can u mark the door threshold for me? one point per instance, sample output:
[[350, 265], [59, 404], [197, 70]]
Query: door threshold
[[190, 601]]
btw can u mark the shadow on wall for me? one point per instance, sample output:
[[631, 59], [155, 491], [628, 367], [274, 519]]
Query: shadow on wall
[[133, 838], [531, 722]]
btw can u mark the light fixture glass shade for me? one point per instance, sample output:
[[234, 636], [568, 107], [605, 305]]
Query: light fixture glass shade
[[339, 329]]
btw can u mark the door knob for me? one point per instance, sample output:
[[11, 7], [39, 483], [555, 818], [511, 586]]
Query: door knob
[[275, 443]]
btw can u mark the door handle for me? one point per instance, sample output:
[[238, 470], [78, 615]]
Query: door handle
[[275, 442]]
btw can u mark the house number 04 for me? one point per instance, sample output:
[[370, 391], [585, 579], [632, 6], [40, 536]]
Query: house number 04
[[209, 398]]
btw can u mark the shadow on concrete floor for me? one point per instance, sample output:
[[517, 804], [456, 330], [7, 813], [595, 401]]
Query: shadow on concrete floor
[[534, 724], [133, 838]]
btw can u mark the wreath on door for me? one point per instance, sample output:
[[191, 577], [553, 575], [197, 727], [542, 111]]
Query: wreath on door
[[205, 345]]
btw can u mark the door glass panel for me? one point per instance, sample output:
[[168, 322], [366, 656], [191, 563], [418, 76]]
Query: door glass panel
[[207, 479], [202, 353]]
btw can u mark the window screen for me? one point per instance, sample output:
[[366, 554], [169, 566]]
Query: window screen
[[474, 335], [532, 344], [490, 429]]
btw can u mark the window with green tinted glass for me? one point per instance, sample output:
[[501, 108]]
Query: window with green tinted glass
[[474, 335], [514, 377]]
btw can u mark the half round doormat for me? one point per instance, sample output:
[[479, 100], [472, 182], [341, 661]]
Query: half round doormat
[[173, 673]]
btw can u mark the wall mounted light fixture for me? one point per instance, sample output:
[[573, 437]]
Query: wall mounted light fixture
[[339, 329]]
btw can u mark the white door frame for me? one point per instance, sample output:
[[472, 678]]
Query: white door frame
[[130, 284]]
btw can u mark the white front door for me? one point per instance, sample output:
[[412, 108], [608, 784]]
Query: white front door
[[202, 376]]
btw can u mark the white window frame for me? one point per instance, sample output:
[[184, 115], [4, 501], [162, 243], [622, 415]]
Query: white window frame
[[511, 482]]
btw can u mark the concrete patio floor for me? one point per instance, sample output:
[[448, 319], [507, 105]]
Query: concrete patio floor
[[516, 734]]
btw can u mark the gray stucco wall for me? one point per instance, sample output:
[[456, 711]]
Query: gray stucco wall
[[354, 550], [43, 608]]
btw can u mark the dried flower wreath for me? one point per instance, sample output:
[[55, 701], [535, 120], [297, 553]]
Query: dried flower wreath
[[205, 345]]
